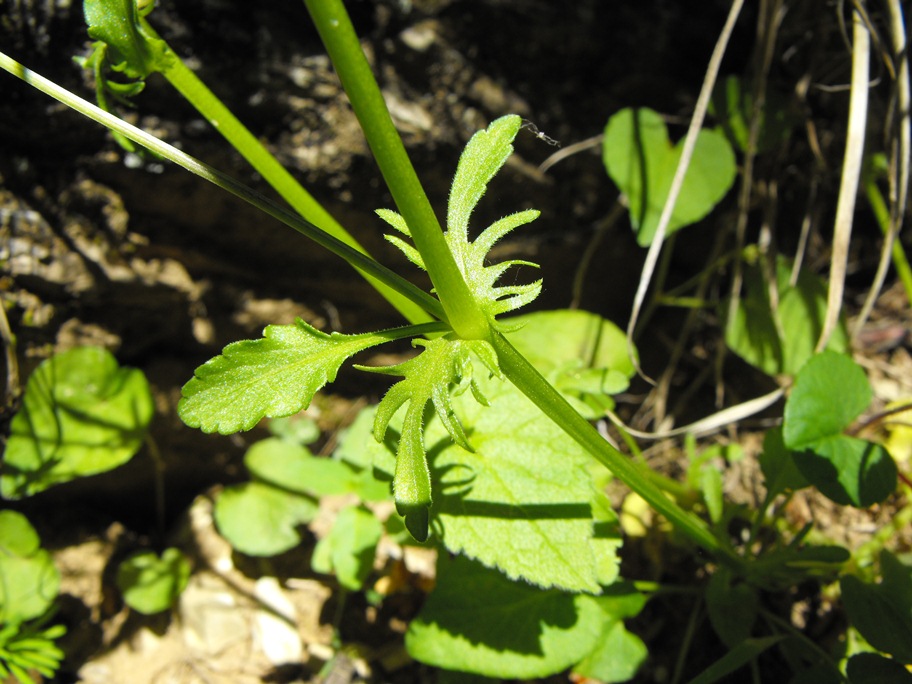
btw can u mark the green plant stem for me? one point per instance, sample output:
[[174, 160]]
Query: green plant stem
[[531, 383], [341, 41], [357, 259], [882, 214], [228, 125]]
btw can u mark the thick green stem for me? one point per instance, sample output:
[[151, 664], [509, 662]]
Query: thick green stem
[[357, 259], [530, 382], [226, 123], [338, 35]]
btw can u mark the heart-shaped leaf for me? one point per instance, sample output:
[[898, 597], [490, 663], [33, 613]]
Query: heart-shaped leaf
[[830, 391], [641, 161]]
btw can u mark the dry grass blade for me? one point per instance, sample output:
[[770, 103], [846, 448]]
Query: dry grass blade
[[899, 162], [690, 141], [851, 174], [717, 421]]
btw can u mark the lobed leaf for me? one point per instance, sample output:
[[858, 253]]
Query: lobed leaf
[[272, 377], [427, 379], [484, 155]]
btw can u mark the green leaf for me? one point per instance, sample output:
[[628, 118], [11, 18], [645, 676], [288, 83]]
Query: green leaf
[[272, 377], [292, 467], [642, 162], [484, 155], [29, 582], [830, 391], [349, 548], [736, 658], [873, 668], [732, 607], [882, 613], [427, 379], [777, 462], [151, 584], [580, 353], [783, 340], [132, 48], [261, 520], [618, 653], [299, 429], [478, 621], [732, 103], [523, 501], [81, 414], [848, 470]]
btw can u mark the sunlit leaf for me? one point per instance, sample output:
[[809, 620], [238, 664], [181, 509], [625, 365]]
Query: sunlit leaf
[[476, 620], [641, 161], [29, 582], [82, 414], [272, 377]]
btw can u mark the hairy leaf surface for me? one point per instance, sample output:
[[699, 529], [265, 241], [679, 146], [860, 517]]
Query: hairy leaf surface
[[272, 377]]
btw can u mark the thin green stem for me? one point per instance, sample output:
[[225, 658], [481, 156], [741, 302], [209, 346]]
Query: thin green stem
[[363, 263], [531, 383], [341, 41], [228, 125], [882, 214]]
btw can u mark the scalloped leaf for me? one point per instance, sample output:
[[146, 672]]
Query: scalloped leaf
[[261, 520], [272, 377], [523, 501], [476, 620]]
